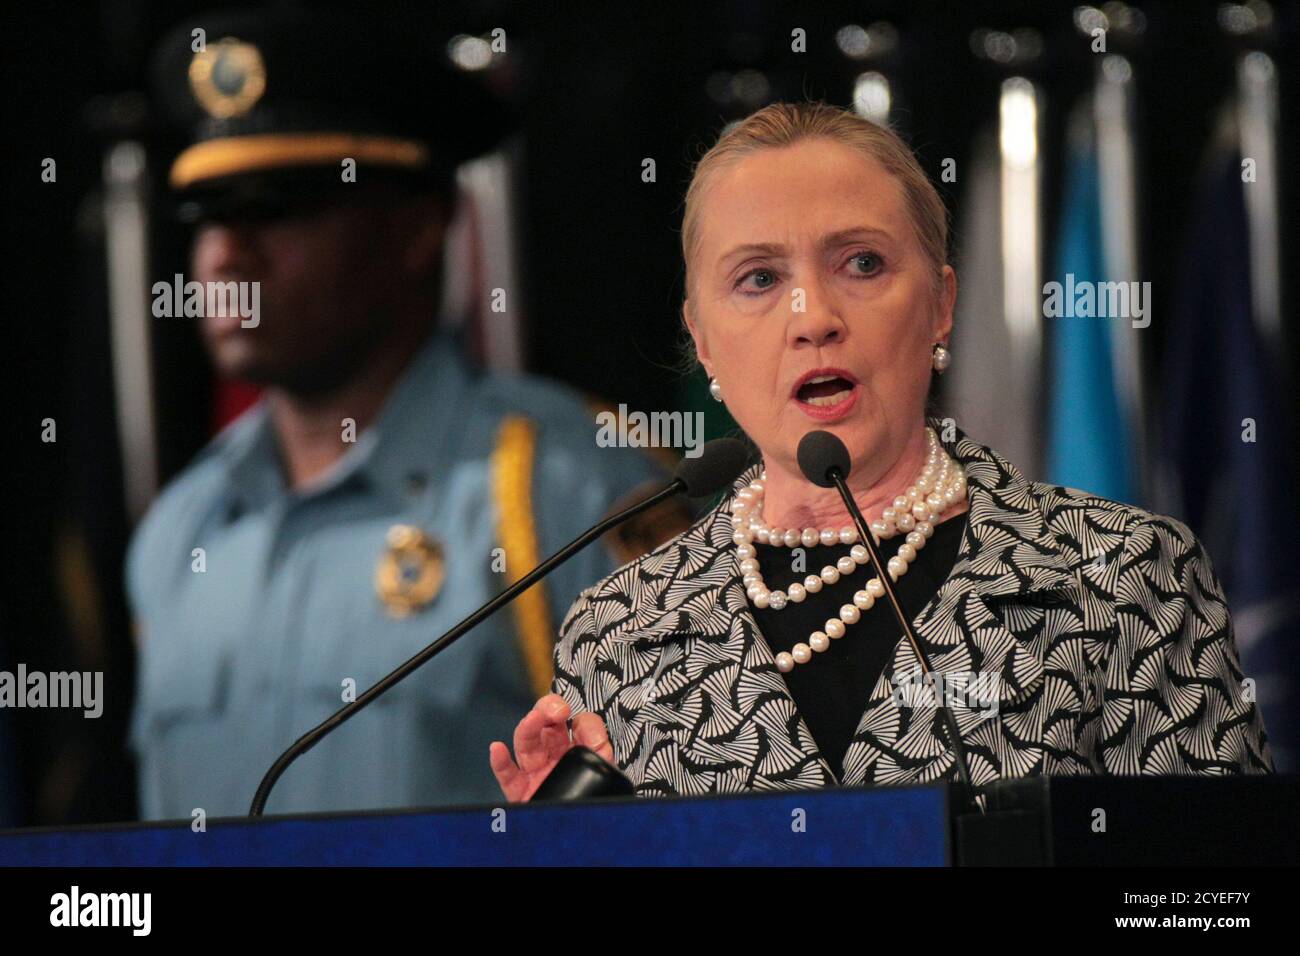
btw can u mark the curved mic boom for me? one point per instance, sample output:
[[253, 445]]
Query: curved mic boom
[[824, 460]]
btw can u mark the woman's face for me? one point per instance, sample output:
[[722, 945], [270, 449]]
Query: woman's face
[[813, 304]]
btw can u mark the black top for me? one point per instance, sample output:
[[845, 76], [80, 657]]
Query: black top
[[831, 690]]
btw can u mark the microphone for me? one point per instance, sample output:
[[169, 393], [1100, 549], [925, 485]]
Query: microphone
[[824, 460], [717, 467]]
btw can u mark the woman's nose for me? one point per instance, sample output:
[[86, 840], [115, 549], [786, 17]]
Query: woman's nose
[[815, 317]]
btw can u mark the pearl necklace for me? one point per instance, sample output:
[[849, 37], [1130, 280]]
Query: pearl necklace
[[940, 485]]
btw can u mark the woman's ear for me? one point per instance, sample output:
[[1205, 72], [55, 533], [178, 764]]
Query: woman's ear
[[697, 336], [947, 303]]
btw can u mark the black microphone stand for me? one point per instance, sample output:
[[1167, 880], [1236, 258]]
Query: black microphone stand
[[834, 475]]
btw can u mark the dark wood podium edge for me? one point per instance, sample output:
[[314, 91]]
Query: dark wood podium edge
[[1014, 829], [1184, 820]]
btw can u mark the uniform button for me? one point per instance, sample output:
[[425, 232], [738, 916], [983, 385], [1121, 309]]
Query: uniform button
[[416, 482]]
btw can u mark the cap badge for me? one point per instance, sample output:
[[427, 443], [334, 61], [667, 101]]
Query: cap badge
[[228, 77]]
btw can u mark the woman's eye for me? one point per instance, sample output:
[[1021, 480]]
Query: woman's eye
[[866, 263], [762, 279]]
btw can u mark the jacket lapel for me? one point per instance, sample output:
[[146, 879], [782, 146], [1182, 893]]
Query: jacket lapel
[[1007, 563], [714, 686], [711, 683]]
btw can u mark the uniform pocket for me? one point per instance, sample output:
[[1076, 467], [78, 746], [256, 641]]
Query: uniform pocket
[[376, 644], [182, 682]]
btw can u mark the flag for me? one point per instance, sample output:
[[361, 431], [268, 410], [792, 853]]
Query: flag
[[1229, 461], [992, 387], [1089, 439]]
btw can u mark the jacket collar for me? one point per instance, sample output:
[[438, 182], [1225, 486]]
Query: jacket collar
[[1007, 549]]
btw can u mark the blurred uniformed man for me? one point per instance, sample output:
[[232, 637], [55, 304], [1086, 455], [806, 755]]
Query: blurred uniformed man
[[289, 567]]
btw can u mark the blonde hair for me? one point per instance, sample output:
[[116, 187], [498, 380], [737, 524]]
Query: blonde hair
[[784, 124]]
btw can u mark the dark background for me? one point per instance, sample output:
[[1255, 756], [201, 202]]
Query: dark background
[[600, 87]]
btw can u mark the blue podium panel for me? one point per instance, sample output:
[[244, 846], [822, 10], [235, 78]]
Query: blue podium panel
[[905, 826]]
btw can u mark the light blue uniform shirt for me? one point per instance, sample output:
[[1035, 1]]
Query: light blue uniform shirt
[[239, 660]]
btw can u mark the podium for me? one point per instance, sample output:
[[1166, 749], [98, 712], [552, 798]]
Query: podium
[[1030, 821], [906, 826]]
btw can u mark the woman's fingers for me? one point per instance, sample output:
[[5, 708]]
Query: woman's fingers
[[555, 741], [528, 738], [541, 739], [510, 778], [589, 731], [532, 748], [555, 732]]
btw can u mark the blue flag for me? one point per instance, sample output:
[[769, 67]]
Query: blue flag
[[1229, 459], [1089, 443]]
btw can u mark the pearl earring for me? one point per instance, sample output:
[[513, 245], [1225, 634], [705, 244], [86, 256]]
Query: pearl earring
[[715, 389], [941, 359]]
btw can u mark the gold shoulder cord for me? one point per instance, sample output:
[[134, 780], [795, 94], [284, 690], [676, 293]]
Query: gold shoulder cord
[[512, 486]]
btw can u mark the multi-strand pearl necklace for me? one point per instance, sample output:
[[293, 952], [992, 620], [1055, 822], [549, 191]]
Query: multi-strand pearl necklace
[[940, 486]]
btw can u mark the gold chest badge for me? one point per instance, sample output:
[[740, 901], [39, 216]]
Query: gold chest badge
[[410, 572]]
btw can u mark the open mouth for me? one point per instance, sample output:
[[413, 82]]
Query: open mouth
[[823, 391], [826, 394]]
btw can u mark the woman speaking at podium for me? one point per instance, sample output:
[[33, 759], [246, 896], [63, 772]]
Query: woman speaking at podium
[[1067, 633]]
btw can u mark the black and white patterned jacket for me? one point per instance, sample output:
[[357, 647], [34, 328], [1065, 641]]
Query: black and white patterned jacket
[[1103, 628]]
